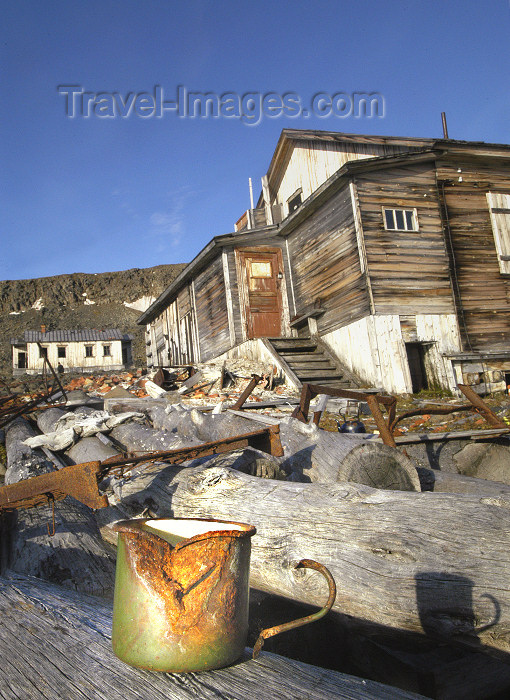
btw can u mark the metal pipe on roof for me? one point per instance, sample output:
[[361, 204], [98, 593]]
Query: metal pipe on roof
[[445, 127]]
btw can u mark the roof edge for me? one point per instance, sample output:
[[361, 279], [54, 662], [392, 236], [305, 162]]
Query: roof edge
[[199, 261]]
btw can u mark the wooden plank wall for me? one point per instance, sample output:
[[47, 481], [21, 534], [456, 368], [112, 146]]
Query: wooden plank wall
[[484, 291], [312, 162], [409, 270], [212, 315], [326, 266]]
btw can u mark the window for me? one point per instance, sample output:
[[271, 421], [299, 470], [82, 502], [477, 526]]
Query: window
[[261, 269], [499, 206], [295, 201], [43, 353], [400, 219], [61, 351], [106, 351], [89, 351]]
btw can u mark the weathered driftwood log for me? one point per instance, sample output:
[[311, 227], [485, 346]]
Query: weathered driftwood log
[[47, 419], [22, 461], [328, 456], [422, 562], [446, 482], [56, 644], [411, 662], [90, 449], [142, 438], [75, 556]]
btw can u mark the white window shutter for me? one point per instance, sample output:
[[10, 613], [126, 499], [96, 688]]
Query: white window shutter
[[501, 227]]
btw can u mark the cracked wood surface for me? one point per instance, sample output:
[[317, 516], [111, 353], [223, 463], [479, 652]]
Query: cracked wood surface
[[56, 645], [422, 562]]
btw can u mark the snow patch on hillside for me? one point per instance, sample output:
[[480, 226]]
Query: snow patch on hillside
[[141, 304]]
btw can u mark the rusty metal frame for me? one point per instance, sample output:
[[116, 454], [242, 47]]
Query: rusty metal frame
[[374, 401], [266, 439], [310, 391], [81, 481]]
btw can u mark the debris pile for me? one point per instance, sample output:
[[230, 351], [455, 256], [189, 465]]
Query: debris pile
[[222, 443]]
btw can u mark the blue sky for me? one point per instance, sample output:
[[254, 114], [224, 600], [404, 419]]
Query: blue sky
[[110, 193]]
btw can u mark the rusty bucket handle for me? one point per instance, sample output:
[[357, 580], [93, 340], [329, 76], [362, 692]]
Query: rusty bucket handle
[[272, 631]]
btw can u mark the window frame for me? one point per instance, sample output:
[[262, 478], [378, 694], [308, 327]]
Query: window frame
[[87, 348], [109, 353], [414, 214], [59, 350], [496, 202], [292, 198]]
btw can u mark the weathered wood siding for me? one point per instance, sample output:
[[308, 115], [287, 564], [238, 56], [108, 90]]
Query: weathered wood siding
[[326, 264], [171, 337], [408, 270], [75, 355], [374, 348], [211, 309], [483, 291], [311, 163]]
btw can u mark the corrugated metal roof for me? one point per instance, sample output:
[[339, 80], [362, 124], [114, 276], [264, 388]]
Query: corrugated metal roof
[[72, 336]]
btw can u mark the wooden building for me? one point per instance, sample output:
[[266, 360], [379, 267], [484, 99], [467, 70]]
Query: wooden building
[[76, 351], [394, 253]]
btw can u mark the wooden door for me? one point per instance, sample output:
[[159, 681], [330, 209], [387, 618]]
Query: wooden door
[[262, 272]]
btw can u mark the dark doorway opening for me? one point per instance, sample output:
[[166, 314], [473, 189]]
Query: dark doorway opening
[[22, 360], [416, 360]]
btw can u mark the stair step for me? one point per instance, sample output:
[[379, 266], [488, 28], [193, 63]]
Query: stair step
[[303, 367], [319, 374], [310, 363], [293, 344], [305, 357]]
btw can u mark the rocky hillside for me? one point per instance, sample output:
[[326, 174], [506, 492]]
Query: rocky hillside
[[80, 301]]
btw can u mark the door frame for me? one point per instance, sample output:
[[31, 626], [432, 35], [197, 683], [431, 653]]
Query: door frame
[[242, 283]]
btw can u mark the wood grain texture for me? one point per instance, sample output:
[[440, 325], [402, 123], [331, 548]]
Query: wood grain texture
[[56, 644], [416, 561]]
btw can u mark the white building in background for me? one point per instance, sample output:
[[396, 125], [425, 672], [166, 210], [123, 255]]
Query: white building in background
[[75, 350]]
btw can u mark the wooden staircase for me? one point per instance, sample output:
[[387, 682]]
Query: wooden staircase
[[307, 360]]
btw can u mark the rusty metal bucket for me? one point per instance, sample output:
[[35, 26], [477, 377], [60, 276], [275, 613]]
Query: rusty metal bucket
[[181, 594]]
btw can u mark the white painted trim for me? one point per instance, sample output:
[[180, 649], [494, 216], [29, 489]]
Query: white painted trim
[[362, 252], [195, 322], [291, 279], [228, 298]]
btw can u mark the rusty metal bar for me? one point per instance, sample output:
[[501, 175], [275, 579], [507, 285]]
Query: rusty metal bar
[[10, 413], [255, 379], [266, 439], [55, 377], [481, 407], [272, 631], [79, 481], [430, 410], [301, 411]]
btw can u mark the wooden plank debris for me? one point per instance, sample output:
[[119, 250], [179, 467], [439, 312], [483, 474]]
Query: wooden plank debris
[[56, 645]]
